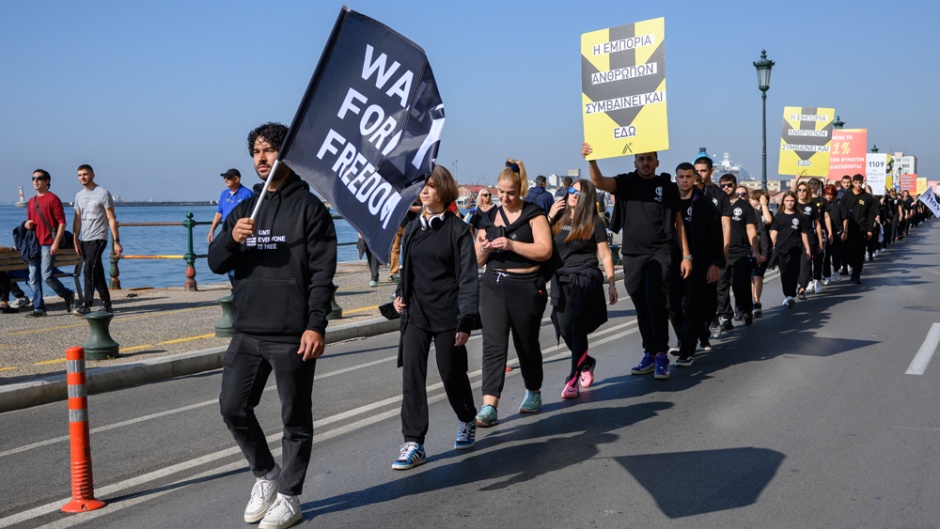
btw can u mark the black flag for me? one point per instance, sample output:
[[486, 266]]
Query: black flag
[[368, 129]]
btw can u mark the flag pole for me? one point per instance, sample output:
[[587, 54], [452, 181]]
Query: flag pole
[[267, 184]]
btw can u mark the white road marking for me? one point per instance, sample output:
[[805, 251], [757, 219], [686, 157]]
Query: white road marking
[[925, 353], [115, 489]]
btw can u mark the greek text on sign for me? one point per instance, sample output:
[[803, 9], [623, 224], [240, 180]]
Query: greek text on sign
[[805, 141], [623, 89]]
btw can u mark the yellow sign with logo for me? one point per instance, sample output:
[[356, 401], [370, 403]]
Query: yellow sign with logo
[[921, 185], [623, 89], [805, 141]]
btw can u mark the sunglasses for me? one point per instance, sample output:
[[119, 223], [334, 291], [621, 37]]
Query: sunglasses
[[38, 178], [573, 192], [802, 190], [729, 184], [741, 195], [485, 195]]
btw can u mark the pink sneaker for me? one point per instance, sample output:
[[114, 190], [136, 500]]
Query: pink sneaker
[[571, 390], [587, 372]]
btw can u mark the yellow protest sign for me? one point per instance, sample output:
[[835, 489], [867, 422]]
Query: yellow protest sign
[[623, 89], [805, 141], [921, 185]]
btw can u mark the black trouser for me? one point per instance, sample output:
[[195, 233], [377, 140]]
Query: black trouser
[[452, 366], [646, 278], [245, 369], [833, 259], [789, 264], [575, 339], [8, 286], [736, 278], [94, 272], [373, 266], [855, 251], [511, 303], [808, 267], [893, 236], [685, 309], [709, 309]]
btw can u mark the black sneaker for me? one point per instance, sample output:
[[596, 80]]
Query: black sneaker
[[725, 324], [9, 310], [81, 312], [684, 361], [748, 319], [706, 345], [70, 303], [36, 314], [757, 313], [715, 330], [107, 307], [801, 295]]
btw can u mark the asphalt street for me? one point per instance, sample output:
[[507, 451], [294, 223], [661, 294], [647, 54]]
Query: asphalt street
[[807, 419]]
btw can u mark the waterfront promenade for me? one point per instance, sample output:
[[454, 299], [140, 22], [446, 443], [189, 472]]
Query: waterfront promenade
[[152, 324]]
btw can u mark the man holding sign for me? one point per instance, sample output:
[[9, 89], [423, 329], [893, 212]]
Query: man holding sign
[[284, 264]]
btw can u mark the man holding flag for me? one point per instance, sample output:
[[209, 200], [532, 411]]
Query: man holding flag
[[284, 262]]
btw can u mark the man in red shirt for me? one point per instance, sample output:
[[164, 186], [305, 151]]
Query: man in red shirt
[[44, 214]]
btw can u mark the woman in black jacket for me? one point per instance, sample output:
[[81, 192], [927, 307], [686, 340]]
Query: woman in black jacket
[[438, 300], [578, 299]]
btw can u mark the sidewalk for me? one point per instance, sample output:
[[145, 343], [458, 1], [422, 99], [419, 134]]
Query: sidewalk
[[162, 333]]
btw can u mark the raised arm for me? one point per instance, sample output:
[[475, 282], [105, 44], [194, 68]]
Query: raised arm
[[604, 183]]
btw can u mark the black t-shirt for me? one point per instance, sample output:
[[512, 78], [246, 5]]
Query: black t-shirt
[[647, 205], [742, 214], [908, 204], [835, 216], [811, 214], [433, 303], [575, 253], [719, 198], [789, 226]]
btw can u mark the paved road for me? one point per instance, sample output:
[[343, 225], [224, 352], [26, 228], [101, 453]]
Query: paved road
[[806, 419]]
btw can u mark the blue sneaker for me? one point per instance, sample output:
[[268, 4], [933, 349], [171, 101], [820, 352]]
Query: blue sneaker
[[532, 402], [487, 416], [466, 435], [645, 367], [412, 455], [662, 367]]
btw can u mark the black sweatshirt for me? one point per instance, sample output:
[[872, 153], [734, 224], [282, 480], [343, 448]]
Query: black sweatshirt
[[284, 272]]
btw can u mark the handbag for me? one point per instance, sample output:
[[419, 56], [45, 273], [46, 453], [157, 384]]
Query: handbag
[[68, 240]]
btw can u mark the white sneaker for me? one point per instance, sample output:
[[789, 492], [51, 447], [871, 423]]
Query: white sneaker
[[21, 302], [817, 286], [284, 512], [826, 281], [836, 276], [262, 496]]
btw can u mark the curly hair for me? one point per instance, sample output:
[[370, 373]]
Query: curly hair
[[273, 133]]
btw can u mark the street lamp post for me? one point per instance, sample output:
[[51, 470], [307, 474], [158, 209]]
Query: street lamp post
[[838, 123], [763, 83]]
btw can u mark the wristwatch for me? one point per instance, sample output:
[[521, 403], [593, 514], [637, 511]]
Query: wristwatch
[[689, 257]]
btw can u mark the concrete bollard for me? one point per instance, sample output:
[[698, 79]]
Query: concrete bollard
[[223, 329], [100, 345], [83, 487], [337, 312]]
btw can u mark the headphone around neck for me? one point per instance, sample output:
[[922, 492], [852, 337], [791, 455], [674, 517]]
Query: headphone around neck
[[433, 222]]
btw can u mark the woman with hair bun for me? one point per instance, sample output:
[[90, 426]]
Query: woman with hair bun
[[578, 299], [512, 291]]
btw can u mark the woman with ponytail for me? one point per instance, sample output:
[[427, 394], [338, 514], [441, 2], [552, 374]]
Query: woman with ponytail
[[512, 291]]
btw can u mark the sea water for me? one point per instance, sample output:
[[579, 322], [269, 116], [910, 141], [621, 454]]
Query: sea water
[[163, 240]]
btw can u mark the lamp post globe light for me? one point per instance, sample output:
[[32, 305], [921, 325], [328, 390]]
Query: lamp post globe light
[[838, 123], [763, 83]]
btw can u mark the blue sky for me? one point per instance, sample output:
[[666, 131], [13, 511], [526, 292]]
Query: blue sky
[[159, 96]]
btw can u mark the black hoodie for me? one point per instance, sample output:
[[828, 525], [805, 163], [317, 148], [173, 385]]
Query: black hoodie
[[284, 273]]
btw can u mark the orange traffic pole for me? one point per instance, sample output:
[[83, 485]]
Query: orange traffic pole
[[83, 488]]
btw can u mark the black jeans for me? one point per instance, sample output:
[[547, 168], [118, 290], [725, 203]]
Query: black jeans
[[735, 278], [8, 286], [511, 303], [452, 366], [94, 272], [685, 309], [646, 278], [245, 370], [789, 264]]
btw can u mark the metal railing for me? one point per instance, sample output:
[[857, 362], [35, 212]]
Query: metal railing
[[189, 257]]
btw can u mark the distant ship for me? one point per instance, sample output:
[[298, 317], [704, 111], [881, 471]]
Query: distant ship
[[21, 203], [725, 166]]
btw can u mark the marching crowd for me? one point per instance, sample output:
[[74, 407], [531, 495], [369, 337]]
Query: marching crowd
[[694, 255]]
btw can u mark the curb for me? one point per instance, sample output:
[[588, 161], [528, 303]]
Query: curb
[[54, 388]]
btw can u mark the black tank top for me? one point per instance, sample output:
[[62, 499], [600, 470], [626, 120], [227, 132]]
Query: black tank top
[[518, 231]]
